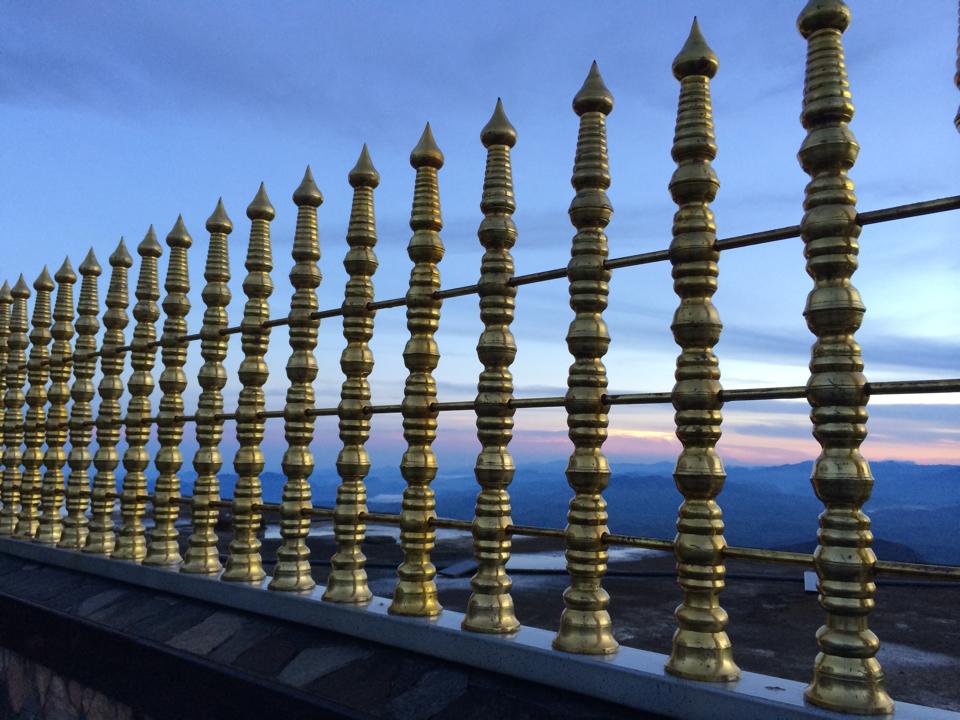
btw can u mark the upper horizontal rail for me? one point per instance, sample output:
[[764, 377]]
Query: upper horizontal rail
[[789, 392], [872, 217]]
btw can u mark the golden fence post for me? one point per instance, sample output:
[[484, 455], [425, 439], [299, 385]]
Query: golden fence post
[[101, 539], [163, 548], [347, 582], [61, 366], [13, 400], [244, 563], [585, 625], [416, 591], [847, 676], [131, 543], [490, 608], [292, 570], [701, 648], [75, 521], [202, 556], [6, 299], [38, 370]]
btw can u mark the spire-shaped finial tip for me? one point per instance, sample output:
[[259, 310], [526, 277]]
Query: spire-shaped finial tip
[[307, 192], [593, 96], [823, 15], [364, 174], [179, 236], [90, 266], [5, 296], [21, 290], [260, 208], [498, 130], [219, 221], [65, 274], [695, 57], [121, 256], [426, 153], [44, 281], [150, 246]]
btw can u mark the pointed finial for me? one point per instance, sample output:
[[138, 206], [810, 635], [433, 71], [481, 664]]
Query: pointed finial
[[5, 296], [90, 266], [178, 235], [120, 257], [21, 290], [43, 281], [260, 208], [219, 221], [149, 246], [823, 14], [593, 95], [364, 174], [695, 57], [426, 153], [498, 130], [307, 193], [66, 274]]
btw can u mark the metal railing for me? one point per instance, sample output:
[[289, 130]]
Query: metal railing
[[74, 511]]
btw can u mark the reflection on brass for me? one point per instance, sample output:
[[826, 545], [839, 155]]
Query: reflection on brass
[[416, 591], [6, 300], [61, 365], [202, 556], [244, 563], [847, 676], [101, 539], [292, 571], [13, 400], [131, 543], [75, 522], [347, 582], [701, 648], [585, 623], [28, 521], [490, 608], [163, 548]]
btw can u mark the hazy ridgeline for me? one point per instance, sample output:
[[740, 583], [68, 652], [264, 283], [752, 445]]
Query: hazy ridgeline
[[913, 507]]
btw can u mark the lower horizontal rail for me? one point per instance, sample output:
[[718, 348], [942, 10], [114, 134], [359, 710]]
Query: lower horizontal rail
[[782, 557]]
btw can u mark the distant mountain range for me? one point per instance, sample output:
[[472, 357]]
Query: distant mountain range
[[914, 508]]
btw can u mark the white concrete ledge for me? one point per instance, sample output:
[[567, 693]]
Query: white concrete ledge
[[632, 677]]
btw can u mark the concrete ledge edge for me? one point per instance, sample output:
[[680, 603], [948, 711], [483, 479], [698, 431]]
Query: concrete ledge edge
[[631, 677]]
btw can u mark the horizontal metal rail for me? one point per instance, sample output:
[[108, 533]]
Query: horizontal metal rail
[[781, 557], [897, 212], [791, 392]]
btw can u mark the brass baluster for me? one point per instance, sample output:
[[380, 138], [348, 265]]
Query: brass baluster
[[292, 571], [131, 543], [847, 676], [163, 548], [701, 648], [101, 539], [202, 556], [244, 563], [416, 591], [347, 582], [38, 370], [585, 625], [490, 608], [75, 523], [6, 300], [13, 400], [61, 366]]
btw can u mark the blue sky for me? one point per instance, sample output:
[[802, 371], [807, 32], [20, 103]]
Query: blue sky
[[115, 116]]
